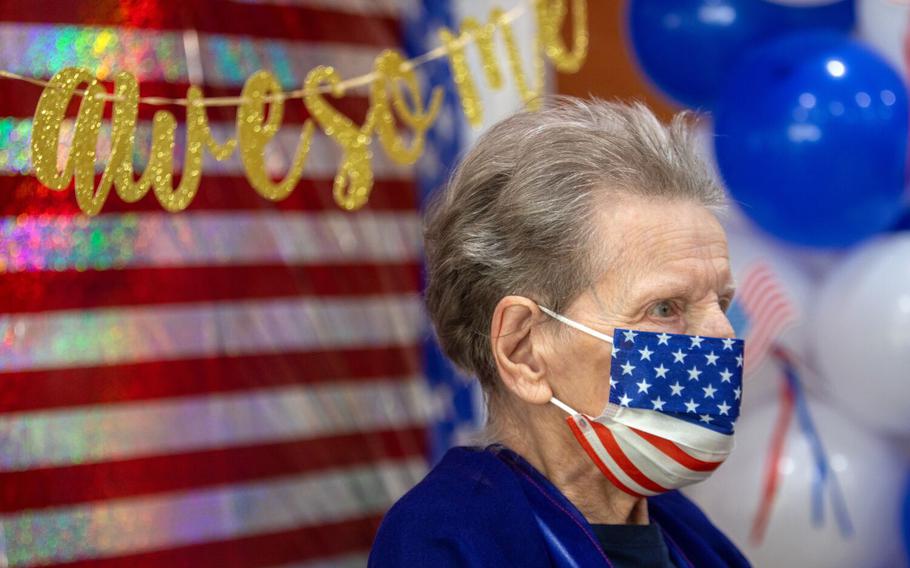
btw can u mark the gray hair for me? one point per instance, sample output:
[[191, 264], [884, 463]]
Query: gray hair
[[516, 217]]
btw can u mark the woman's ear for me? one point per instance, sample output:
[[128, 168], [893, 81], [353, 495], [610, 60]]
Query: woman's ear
[[517, 349]]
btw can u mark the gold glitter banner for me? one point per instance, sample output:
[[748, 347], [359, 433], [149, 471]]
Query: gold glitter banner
[[394, 96]]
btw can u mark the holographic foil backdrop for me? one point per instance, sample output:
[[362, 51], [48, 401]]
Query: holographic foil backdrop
[[239, 384]]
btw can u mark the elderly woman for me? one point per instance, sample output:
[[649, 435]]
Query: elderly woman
[[578, 270]]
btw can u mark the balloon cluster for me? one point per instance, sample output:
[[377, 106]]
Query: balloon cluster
[[809, 109], [810, 125]]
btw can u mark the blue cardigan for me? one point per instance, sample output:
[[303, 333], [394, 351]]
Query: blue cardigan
[[489, 507]]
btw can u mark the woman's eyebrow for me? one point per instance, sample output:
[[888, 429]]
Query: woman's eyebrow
[[674, 288], [664, 289]]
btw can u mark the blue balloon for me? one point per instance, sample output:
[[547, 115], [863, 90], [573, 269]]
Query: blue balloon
[[837, 16], [905, 519], [903, 224], [811, 139], [687, 47]]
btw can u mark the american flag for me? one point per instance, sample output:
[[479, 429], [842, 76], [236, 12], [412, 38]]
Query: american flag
[[761, 312], [239, 384], [676, 400]]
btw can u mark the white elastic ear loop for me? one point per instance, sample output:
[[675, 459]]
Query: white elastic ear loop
[[563, 406], [579, 326]]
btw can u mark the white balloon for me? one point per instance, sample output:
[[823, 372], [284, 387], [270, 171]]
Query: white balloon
[[870, 474], [862, 333], [883, 24]]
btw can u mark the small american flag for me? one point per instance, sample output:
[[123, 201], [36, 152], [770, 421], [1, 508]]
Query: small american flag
[[761, 312]]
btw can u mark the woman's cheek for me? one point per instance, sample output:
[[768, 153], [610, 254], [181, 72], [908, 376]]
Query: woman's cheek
[[676, 324]]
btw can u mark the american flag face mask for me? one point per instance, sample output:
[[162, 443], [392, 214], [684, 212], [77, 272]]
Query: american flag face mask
[[674, 400]]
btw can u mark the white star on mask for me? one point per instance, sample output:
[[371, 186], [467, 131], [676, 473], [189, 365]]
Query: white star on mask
[[724, 408], [679, 356], [694, 373], [627, 368], [630, 336], [696, 342], [725, 376], [691, 405], [645, 353], [661, 371], [709, 391], [658, 403], [643, 386], [712, 358], [677, 389]]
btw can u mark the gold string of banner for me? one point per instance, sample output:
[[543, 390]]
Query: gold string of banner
[[260, 108]]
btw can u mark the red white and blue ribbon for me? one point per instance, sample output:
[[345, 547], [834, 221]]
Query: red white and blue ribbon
[[793, 403]]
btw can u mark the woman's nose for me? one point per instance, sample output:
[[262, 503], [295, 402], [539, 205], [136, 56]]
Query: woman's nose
[[715, 324]]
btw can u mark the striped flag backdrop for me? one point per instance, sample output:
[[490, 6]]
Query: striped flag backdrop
[[239, 384]]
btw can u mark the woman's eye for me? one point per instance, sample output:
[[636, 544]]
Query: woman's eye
[[662, 310]]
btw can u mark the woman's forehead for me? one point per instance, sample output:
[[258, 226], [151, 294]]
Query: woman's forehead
[[665, 246]]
